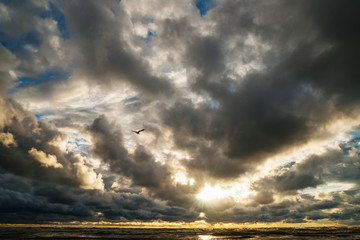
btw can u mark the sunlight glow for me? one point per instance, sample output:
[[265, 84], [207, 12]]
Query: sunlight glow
[[239, 192], [202, 215], [181, 178], [211, 193]]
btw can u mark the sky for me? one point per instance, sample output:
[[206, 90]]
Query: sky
[[250, 110]]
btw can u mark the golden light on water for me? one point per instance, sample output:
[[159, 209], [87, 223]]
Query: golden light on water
[[163, 224]]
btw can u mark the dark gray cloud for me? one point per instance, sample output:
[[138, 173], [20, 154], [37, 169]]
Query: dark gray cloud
[[36, 201], [300, 211], [176, 32], [300, 176], [264, 197], [65, 193], [325, 172], [30, 148], [50, 199], [265, 112], [32, 35], [335, 165], [262, 77], [95, 44], [139, 166], [270, 213], [103, 54], [8, 62]]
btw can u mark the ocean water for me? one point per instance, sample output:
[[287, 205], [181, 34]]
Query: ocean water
[[199, 234]]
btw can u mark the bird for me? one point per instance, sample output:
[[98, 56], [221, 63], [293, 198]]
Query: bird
[[138, 131]]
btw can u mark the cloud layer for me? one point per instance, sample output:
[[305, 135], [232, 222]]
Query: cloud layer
[[257, 100]]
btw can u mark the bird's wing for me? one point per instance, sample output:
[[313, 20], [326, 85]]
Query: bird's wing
[[138, 131]]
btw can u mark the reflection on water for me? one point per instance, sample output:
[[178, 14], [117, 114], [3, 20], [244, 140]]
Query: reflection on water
[[206, 237], [185, 234]]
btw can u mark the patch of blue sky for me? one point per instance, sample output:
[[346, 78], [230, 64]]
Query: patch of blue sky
[[258, 66], [77, 147], [113, 10], [27, 81], [355, 134], [147, 39], [101, 108], [24, 81], [354, 142], [205, 5], [59, 17], [78, 144], [39, 116], [234, 86], [130, 99], [17, 44], [330, 187], [167, 70], [213, 103]]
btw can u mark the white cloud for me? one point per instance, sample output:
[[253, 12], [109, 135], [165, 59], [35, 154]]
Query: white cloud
[[46, 160], [89, 178], [7, 139]]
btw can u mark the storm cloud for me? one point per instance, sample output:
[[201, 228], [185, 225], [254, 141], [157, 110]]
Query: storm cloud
[[104, 55], [250, 111], [283, 105]]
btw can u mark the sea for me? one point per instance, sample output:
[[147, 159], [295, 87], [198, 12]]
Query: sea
[[182, 233]]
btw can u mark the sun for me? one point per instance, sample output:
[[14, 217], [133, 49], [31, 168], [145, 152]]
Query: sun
[[239, 192], [211, 193]]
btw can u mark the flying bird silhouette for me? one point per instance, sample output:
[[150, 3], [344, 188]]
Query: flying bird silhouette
[[138, 131]]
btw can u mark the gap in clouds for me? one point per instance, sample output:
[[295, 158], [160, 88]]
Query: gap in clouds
[[205, 5], [59, 17]]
